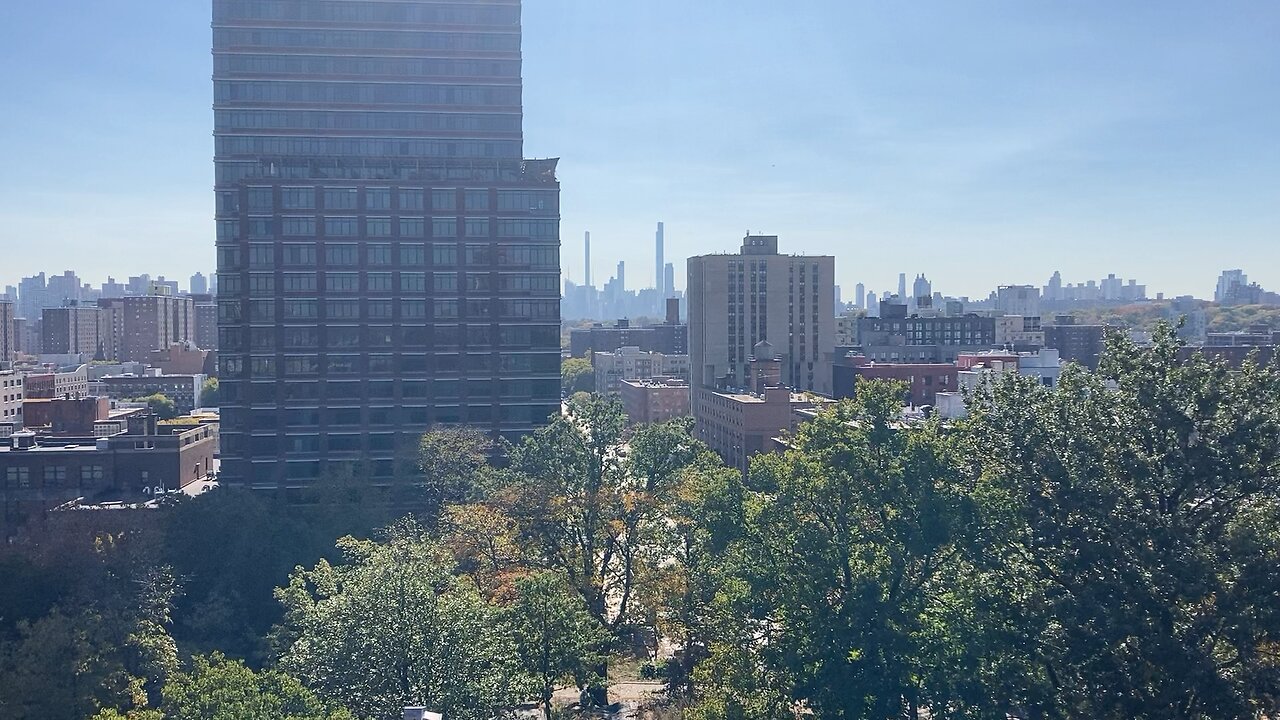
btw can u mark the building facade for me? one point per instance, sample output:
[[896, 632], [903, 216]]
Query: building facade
[[154, 322], [71, 331], [12, 389], [894, 337], [923, 380], [655, 400], [632, 363], [8, 333], [759, 295], [183, 390], [387, 258]]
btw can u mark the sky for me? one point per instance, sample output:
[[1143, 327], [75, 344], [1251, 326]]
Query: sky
[[980, 143]]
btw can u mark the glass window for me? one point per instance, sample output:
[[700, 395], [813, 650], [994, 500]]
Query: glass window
[[412, 227], [446, 309], [379, 254], [262, 311], [341, 226], [302, 365], [299, 309], [378, 227], [228, 230], [299, 282], [342, 282], [298, 198], [261, 227], [478, 282], [262, 283], [341, 255], [343, 337], [262, 256], [413, 309], [300, 337], [444, 227], [342, 309], [298, 227], [444, 200], [378, 198], [444, 255], [379, 309], [477, 227], [260, 199], [476, 199], [411, 200], [379, 281], [413, 255], [413, 282], [339, 198], [299, 254], [445, 282]]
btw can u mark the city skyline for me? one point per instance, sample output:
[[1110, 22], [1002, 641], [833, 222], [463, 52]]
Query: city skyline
[[1110, 138]]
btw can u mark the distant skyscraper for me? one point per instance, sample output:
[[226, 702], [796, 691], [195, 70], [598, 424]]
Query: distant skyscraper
[[1228, 281], [860, 296], [8, 333], [669, 279], [873, 306], [622, 276], [921, 292], [839, 306], [1053, 291], [199, 285], [380, 235], [587, 277], [660, 263], [902, 287]]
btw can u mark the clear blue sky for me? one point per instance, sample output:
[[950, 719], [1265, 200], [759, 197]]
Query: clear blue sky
[[978, 142]]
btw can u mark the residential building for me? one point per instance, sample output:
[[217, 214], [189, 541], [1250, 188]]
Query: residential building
[[12, 388], [388, 260], [154, 322], [1019, 333], [669, 338], [1018, 300], [740, 423], [178, 359], [1191, 314], [1082, 344], [1045, 365], [896, 338], [631, 363], [758, 295], [924, 380], [199, 284], [136, 463], [183, 390], [8, 334], [655, 400], [206, 320], [1229, 284], [75, 330]]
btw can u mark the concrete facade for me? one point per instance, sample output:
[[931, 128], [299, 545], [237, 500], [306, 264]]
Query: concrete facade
[[757, 295], [631, 363]]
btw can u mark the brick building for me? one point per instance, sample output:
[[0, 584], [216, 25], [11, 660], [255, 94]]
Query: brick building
[[924, 380], [655, 400]]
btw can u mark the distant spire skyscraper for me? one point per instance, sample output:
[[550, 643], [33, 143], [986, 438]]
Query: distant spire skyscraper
[[902, 287], [659, 265], [587, 277]]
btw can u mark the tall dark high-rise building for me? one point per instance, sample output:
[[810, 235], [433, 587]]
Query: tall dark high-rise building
[[388, 261]]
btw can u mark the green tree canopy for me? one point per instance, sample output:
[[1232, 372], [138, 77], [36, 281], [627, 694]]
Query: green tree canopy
[[577, 375], [162, 405], [392, 627], [210, 395]]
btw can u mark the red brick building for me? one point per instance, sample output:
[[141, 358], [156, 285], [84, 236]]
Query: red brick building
[[924, 380]]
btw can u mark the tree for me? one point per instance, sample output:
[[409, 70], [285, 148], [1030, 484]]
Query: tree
[[210, 395], [589, 506], [577, 375], [453, 461], [555, 637], [220, 689], [391, 627], [849, 547], [161, 405], [1131, 523]]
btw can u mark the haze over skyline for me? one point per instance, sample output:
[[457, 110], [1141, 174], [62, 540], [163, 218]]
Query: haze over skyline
[[986, 144]]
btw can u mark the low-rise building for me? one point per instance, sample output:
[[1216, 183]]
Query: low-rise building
[[632, 363], [1081, 344], [924, 380], [41, 472], [1019, 333], [655, 400], [183, 390], [740, 423], [896, 338], [12, 387]]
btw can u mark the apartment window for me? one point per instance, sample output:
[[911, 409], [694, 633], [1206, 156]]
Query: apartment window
[[378, 227], [299, 282], [340, 198], [477, 227], [341, 227], [297, 254], [445, 282], [379, 254], [379, 282], [345, 255], [413, 282], [379, 309], [412, 227], [411, 199], [413, 255], [476, 199], [342, 282], [298, 227], [413, 309], [378, 198], [260, 199], [92, 474], [262, 256], [444, 255], [298, 198], [444, 227], [444, 200]]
